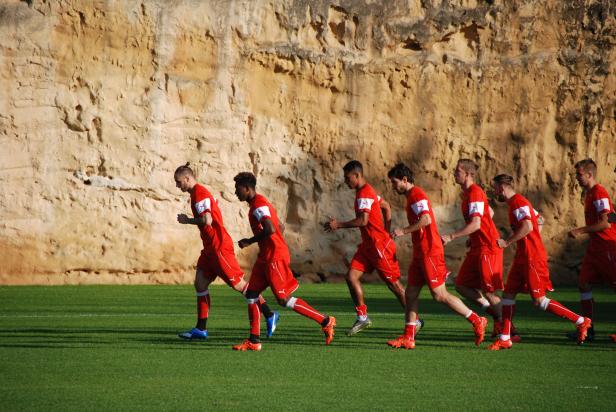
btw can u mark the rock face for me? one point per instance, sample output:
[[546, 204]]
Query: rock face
[[101, 100]]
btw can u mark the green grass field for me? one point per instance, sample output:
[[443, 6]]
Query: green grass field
[[115, 348]]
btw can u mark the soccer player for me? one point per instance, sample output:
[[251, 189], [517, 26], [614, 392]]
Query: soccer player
[[529, 270], [217, 257], [377, 249], [599, 264], [428, 264], [481, 273], [272, 266]]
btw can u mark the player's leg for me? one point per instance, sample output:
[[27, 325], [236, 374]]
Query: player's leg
[[271, 317], [508, 304], [407, 339], [201, 284], [550, 305], [283, 285], [357, 294], [253, 343], [441, 295], [397, 288]]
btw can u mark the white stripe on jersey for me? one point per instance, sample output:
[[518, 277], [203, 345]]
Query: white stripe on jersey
[[521, 212], [364, 203], [476, 207], [419, 207], [203, 206], [260, 212], [602, 204]]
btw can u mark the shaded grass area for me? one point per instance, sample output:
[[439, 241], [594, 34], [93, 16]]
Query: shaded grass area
[[115, 348]]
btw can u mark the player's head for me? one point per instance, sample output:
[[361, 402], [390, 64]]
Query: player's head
[[245, 184], [503, 187], [585, 172], [401, 178], [465, 169], [184, 177], [353, 174]]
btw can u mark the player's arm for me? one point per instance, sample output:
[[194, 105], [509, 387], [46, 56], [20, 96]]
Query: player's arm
[[360, 221], [524, 229], [386, 211], [602, 224], [268, 230], [423, 221], [281, 226], [491, 212], [540, 222], [471, 227], [204, 220]]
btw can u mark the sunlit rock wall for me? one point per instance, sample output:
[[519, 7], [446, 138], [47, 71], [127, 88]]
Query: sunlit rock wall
[[101, 100]]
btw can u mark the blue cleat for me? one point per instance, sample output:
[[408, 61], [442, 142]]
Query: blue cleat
[[194, 333], [272, 322]]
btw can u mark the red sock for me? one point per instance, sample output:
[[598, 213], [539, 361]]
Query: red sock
[[559, 310], [254, 315], [473, 318], [361, 310], [304, 309], [203, 306], [507, 317], [587, 305], [409, 330]]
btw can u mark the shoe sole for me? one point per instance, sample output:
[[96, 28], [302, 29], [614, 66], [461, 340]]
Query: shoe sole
[[352, 332]]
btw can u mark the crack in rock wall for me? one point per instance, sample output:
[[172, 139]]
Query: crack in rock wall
[[102, 100]]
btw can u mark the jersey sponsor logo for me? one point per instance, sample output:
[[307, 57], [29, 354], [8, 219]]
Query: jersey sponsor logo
[[475, 208], [203, 205], [419, 207], [364, 203], [521, 213], [601, 204], [261, 212]]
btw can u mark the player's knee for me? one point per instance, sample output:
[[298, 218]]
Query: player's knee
[[440, 297], [542, 303], [252, 296], [289, 303]]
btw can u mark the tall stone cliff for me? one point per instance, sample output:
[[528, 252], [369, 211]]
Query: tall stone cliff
[[100, 101]]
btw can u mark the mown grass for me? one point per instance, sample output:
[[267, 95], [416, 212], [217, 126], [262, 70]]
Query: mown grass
[[115, 348]]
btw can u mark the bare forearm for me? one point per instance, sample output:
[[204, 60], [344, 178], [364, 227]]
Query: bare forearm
[[466, 230], [357, 222]]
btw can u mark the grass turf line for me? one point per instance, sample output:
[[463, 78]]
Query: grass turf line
[[115, 348]]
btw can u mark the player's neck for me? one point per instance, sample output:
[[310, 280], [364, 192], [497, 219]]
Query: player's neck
[[361, 184], [409, 187], [508, 195], [467, 184], [191, 189], [251, 196], [591, 184]]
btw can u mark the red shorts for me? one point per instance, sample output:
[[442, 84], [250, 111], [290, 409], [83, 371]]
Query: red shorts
[[529, 277], [275, 274], [221, 263], [386, 263], [430, 270], [598, 267], [482, 271]]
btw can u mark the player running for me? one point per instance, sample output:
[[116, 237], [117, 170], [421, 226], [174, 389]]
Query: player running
[[428, 264], [377, 249], [599, 264], [272, 266], [217, 257], [481, 273], [529, 270]]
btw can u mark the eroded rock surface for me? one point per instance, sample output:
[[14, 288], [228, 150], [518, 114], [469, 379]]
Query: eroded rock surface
[[101, 100]]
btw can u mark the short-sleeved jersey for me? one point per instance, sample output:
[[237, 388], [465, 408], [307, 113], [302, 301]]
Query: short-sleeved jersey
[[596, 203], [475, 203], [426, 241], [214, 237], [530, 247], [273, 247], [374, 233]]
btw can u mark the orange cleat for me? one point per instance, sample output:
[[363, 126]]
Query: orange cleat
[[501, 344], [247, 345], [328, 330], [480, 330], [613, 337], [402, 342], [583, 330]]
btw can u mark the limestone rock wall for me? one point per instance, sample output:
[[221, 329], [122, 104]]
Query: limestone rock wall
[[101, 100]]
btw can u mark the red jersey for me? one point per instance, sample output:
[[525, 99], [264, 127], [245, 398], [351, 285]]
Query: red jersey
[[273, 247], [597, 203], [214, 237], [426, 241], [530, 247], [373, 235], [475, 203]]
